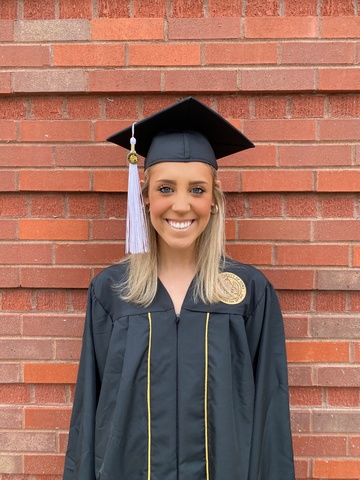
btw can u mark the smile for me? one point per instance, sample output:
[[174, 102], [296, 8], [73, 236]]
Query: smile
[[179, 225]]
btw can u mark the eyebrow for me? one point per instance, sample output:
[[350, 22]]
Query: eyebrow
[[173, 182]]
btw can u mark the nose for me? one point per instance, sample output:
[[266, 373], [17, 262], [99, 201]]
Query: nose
[[181, 204]]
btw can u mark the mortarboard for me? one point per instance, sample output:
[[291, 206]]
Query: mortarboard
[[187, 131]]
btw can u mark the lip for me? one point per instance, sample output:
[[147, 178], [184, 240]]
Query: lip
[[177, 225]]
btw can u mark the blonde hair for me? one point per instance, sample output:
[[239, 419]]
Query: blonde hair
[[140, 286]]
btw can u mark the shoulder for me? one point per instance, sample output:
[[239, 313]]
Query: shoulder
[[104, 283], [249, 274]]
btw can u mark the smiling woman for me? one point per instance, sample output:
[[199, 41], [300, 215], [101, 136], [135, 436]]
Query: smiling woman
[[183, 372]]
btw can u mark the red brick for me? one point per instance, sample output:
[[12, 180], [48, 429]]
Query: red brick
[[235, 205], [25, 254], [8, 9], [130, 80], [344, 106], [25, 155], [55, 277], [89, 156], [338, 376], [113, 9], [337, 206], [122, 107], [234, 106], [336, 230], [337, 7], [339, 79], [261, 156], [301, 206], [291, 279], [225, 8], [304, 155], [33, 229], [9, 324], [109, 230], [28, 441], [104, 128], [330, 302], [338, 280], [55, 131], [6, 31], [296, 9], [12, 108], [343, 397], [282, 130], [47, 417], [115, 205], [125, 29], [277, 181], [270, 106], [307, 106], [35, 11], [277, 80], [339, 129], [355, 301], [166, 54], [274, 229], [13, 205], [53, 325], [10, 417], [68, 350], [5, 83], [230, 230], [15, 393], [26, 349], [265, 206], [87, 254], [83, 107], [281, 27], [47, 205], [8, 181], [295, 326], [260, 8], [47, 108], [51, 300], [357, 155], [25, 56], [155, 9], [110, 181], [301, 254], [11, 464], [317, 53], [340, 27], [9, 277], [300, 421], [9, 373], [54, 180], [319, 446], [88, 55], [78, 299], [348, 469], [57, 81], [44, 464], [48, 393], [355, 446], [335, 327], [255, 254], [317, 351], [339, 181], [302, 468], [187, 8], [49, 31], [300, 375], [357, 352], [78, 9], [84, 205], [240, 54], [18, 299], [50, 373], [311, 396], [230, 180], [8, 130], [204, 80]]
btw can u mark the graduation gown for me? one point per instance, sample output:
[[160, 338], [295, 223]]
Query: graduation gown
[[198, 396]]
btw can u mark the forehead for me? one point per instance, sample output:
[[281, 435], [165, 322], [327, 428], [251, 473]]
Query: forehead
[[192, 171]]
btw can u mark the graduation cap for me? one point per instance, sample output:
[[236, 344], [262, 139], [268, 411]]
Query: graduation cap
[[187, 131]]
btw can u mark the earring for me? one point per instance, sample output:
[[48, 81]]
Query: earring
[[214, 210]]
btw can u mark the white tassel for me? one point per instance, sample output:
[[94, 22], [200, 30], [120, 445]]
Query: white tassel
[[136, 228]]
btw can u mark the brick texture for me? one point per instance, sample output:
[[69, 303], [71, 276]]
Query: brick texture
[[287, 74]]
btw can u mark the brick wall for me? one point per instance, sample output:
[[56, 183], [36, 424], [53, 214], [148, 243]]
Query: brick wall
[[287, 74]]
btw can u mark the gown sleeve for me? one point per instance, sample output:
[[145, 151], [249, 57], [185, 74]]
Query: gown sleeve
[[79, 460], [271, 446]]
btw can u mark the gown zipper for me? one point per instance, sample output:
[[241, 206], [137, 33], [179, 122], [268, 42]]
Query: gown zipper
[[177, 320]]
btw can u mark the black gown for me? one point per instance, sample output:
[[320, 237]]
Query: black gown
[[199, 396]]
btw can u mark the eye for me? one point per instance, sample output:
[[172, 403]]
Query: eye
[[197, 190], [165, 189]]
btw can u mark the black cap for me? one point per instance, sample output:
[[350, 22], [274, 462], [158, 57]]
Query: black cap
[[187, 131]]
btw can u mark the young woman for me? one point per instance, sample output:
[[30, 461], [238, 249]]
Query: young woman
[[183, 371]]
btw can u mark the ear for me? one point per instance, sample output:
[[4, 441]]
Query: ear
[[146, 198]]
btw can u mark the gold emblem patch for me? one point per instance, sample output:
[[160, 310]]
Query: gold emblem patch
[[236, 288]]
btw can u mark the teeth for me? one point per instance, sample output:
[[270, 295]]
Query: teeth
[[180, 225]]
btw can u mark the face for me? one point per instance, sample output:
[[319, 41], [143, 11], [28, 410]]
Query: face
[[179, 197]]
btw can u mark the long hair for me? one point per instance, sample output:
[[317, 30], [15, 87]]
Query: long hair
[[140, 285]]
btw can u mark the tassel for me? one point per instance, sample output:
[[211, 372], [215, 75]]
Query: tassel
[[136, 227]]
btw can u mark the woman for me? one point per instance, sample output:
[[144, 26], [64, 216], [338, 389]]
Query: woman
[[183, 370]]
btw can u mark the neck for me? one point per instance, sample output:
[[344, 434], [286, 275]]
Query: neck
[[176, 261]]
